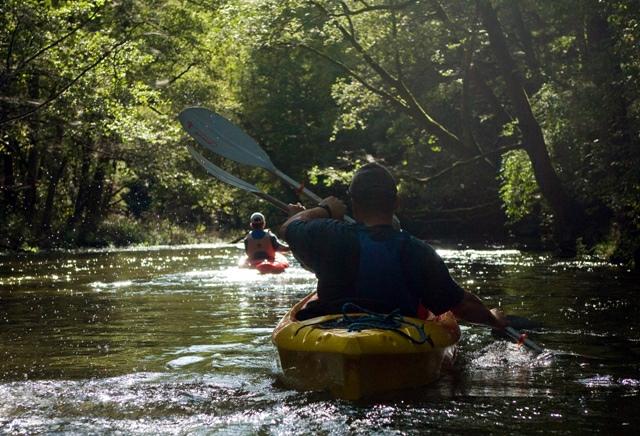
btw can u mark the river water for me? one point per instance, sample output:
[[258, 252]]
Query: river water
[[176, 340]]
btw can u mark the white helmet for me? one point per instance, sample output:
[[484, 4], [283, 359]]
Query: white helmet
[[257, 217]]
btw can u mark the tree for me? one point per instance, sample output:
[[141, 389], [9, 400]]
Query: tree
[[468, 82]]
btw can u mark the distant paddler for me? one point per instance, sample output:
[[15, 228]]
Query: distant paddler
[[262, 247]]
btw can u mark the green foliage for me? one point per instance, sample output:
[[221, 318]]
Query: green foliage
[[331, 176], [518, 189], [119, 231], [89, 93]]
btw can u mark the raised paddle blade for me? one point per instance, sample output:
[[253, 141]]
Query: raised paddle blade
[[232, 180], [222, 137], [219, 173]]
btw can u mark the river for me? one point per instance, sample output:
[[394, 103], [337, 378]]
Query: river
[[176, 340]]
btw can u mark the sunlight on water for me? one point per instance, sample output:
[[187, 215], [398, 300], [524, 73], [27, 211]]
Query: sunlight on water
[[111, 286], [176, 340], [152, 248], [501, 257], [507, 354]]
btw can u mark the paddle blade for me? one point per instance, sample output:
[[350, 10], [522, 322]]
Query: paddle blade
[[221, 174], [222, 137]]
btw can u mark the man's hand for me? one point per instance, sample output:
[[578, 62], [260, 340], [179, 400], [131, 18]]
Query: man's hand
[[298, 212], [293, 209], [500, 320], [337, 207]]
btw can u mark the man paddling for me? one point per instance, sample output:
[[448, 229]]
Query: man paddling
[[260, 243], [370, 263]]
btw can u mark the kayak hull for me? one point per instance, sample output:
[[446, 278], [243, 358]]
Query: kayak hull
[[355, 365], [266, 266], [271, 267]]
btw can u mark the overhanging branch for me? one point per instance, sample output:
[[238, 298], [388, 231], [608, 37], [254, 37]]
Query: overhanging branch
[[393, 99], [374, 8], [58, 41], [462, 163], [66, 87]]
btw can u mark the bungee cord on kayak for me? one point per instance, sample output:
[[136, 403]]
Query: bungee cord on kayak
[[353, 321]]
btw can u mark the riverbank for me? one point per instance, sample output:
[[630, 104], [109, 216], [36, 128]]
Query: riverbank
[[123, 231], [118, 231]]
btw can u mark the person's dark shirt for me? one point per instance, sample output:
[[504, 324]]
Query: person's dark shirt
[[331, 249]]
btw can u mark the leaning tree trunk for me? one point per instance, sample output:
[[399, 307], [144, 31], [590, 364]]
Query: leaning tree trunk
[[567, 213]]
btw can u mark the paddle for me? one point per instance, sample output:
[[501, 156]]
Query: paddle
[[517, 323], [523, 339], [222, 137], [238, 239], [232, 180]]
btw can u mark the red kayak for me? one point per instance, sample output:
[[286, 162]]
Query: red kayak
[[266, 266]]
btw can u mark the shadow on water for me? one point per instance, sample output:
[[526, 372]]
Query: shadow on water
[[176, 340]]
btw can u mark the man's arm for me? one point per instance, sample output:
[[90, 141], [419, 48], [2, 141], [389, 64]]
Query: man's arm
[[445, 294], [472, 309]]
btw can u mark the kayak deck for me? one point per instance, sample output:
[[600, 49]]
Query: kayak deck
[[358, 364]]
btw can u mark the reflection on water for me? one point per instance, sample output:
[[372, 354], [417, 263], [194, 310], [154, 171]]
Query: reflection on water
[[177, 340]]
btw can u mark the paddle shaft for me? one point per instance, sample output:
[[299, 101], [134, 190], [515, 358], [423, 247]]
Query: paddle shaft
[[519, 337], [274, 201], [297, 186]]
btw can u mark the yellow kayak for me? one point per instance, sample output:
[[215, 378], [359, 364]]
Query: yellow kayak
[[358, 364]]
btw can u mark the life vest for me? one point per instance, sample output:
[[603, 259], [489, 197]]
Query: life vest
[[259, 245], [381, 273]]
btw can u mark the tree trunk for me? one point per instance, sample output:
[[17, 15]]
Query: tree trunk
[[83, 187], [33, 159], [618, 143], [93, 209], [47, 212], [567, 214], [526, 39], [605, 72], [8, 183], [31, 182]]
